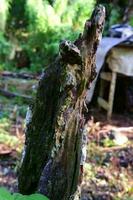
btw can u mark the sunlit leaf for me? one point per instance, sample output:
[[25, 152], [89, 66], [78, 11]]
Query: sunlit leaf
[[5, 195]]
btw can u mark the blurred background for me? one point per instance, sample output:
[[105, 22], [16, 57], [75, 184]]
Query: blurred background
[[30, 30]]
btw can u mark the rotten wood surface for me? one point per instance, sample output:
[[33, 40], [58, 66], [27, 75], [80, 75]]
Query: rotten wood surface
[[51, 158], [12, 95], [18, 75]]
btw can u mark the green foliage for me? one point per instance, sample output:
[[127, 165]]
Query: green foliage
[[5, 47], [48, 24], [115, 13], [36, 27], [5, 136], [5, 195], [81, 12], [38, 15], [108, 142], [43, 46], [4, 9], [60, 6], [131, 21], [16, 15], [9, 140]]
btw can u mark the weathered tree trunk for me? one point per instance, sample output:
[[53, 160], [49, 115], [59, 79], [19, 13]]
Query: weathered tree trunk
[[52, 149]]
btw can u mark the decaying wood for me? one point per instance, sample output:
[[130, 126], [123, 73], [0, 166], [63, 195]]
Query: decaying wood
[[23, 85], [51, 158], [18, 75], [12, 95]]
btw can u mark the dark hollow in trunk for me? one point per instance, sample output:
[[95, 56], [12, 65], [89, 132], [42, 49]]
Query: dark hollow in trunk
[[51, 158]]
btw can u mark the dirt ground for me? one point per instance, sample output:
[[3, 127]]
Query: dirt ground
[[108, 173], [109, 168]]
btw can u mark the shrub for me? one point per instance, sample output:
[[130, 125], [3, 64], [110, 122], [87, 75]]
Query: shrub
[[36, 27], [5, 47], [50, 23]]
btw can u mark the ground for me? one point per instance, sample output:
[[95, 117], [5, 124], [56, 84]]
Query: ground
[[109, 166]]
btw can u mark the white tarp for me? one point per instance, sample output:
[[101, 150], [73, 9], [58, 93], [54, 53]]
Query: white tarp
[[107, 43], [120, 60]]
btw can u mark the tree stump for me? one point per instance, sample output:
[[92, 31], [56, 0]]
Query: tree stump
[[51, 158]]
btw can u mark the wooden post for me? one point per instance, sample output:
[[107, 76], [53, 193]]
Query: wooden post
[[51, 158], [111, 94]]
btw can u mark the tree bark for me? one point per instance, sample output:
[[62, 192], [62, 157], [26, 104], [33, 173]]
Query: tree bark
[[51, 158]]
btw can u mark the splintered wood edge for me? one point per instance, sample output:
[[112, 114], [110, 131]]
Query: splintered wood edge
[[94, 26]]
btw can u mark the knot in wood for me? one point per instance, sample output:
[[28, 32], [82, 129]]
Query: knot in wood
[[70, 53]]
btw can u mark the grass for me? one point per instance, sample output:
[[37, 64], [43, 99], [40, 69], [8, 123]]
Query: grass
[[13, 112]]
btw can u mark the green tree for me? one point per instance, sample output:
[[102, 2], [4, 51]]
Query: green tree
[[50, 22], [4, 10], [36, 26]]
